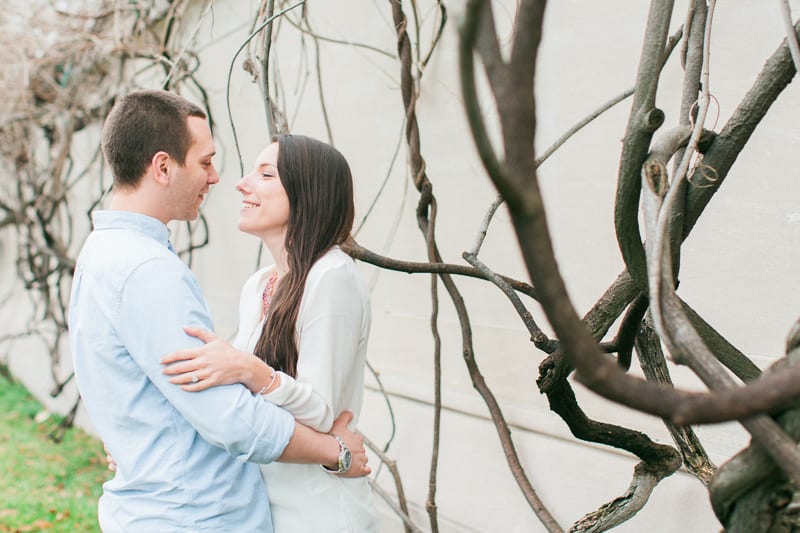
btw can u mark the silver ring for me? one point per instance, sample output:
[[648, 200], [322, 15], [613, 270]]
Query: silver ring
[[195, 379]]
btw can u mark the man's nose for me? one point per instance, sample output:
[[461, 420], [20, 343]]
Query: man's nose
[[213, 176]]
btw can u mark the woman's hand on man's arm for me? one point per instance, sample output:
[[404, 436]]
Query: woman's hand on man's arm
[[217, 363]]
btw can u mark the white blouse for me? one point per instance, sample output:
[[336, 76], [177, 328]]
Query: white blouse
[[332, 329]]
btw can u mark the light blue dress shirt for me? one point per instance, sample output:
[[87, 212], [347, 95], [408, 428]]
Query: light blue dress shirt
[[185, 461]]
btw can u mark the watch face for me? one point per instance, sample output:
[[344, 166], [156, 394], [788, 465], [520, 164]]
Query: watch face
[[347, 460]]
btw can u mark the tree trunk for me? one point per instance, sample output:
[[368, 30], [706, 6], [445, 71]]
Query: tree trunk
[[771, 507]]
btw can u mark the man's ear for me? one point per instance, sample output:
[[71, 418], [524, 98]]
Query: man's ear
[[161, 166]]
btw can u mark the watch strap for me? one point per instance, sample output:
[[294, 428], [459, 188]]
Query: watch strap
[[340, 463]]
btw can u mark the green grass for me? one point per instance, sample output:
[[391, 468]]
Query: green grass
[[45, 486]]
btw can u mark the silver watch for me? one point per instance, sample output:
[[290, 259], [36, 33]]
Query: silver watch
[[345, 457]]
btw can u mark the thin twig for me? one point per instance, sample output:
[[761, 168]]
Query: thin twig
[[409, 525], [263, 71], [439, 31], [791, 36], [320, 87], [402, 506], [385, 394], [378, 194], [230, 75], [307, 30], [487, 219], [582, 124], [538, 337], [356, 251]]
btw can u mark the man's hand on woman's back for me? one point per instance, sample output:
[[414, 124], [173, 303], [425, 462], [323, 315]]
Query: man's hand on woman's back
[[355, 442]]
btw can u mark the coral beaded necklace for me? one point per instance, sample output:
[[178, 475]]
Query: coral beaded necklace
[[266, 296]]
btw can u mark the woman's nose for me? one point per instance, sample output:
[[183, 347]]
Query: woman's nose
[[241, 185]]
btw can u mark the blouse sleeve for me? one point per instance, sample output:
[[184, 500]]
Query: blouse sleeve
[[330, 328]]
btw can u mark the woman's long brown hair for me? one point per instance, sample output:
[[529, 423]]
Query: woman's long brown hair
[[319, 185]]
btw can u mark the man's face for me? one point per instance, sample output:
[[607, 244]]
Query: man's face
[[191, 182]]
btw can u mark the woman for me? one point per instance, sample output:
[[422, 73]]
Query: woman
[[306, 318]]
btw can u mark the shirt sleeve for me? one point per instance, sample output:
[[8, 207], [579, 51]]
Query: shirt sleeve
[[158, 299], [329, 331]]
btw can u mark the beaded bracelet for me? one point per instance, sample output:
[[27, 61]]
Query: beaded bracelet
[[266, 387]]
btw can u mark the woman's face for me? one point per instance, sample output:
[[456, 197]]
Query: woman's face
[[265, 205]]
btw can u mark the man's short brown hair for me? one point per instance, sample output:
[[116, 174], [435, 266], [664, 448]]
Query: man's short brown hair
[[142, 124]]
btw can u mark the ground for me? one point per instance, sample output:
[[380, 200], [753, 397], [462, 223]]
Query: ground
[[45, 486]]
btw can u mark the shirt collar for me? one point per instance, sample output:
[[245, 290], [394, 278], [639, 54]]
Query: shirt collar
[[152, 227]]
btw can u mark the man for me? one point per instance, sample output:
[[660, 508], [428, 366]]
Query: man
[[185, 461]]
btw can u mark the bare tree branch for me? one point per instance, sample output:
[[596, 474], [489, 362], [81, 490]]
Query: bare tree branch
[[643, 120], [601, 375], [249, 38], [742, 474], [538, 337], [356, 251], [425, 223], [610, 515], [654, 367]]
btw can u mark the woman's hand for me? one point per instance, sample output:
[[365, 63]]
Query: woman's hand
[[112, 464], [216, 363]]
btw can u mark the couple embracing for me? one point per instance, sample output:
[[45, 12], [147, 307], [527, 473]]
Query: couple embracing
[[206, 435]]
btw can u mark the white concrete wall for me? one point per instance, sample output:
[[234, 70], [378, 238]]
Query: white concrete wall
[[739, 266]]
